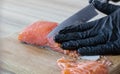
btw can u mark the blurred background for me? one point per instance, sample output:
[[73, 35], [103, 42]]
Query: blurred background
[[16, 14]]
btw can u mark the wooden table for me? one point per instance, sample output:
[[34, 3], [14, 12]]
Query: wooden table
[[19, 58]]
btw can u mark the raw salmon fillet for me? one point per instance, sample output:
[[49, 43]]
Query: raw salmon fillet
[[87, 67], [36, 34]]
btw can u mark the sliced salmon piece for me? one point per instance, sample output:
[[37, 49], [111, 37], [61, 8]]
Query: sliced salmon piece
[[87, 67], [36, 34]]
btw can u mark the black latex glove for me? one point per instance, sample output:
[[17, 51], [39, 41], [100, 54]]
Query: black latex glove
[[102, 1], [99, 37], [105, 7]]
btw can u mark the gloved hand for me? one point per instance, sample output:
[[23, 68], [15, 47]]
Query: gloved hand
[[99, 37]]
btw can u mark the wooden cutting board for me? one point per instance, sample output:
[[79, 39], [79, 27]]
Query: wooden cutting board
[[19, 58]]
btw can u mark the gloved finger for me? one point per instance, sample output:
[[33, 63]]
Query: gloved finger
[[111, 48], [60, 38], [90, 1], [78, 28], [99, 39]]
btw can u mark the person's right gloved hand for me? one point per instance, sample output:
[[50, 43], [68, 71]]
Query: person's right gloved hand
[[99, 37]]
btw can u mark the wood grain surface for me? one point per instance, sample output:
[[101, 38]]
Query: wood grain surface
[[19, 58]]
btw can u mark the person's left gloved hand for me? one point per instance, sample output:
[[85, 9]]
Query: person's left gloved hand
[[102, 1], [100, 37]]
